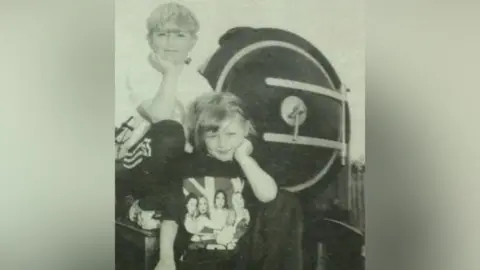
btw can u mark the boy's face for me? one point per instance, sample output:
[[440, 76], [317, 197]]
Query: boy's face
[[172, 43], [222, 144]]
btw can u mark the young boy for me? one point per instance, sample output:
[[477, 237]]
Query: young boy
[[161, 86], [211, 230]]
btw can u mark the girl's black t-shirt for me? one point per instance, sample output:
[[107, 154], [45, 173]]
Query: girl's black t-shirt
[[213, 204]]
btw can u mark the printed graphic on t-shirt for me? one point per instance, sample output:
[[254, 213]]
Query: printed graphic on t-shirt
[[216, 214], [132, 131]]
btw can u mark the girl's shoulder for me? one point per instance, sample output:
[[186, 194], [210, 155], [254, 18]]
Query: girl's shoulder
[[198, 164], [188, 164]]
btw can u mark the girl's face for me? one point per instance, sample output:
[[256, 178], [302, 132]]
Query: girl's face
[[223, 143], [220, 200], [192, 205], [202, 205]]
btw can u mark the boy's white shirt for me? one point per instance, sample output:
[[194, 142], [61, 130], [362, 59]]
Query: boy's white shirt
[[142, 83]]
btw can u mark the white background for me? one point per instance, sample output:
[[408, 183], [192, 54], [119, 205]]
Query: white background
[[335, 27]]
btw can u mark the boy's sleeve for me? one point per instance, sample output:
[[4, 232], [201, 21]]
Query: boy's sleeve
[[198, 88], [204, 86], [137, 87]]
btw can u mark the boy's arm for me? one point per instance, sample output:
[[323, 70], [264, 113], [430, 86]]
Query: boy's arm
[[168, 232], [162, 105], [142, 110], [171, 208], [263, 185]]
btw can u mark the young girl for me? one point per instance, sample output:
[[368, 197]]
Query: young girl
[[192, 213], [221, 162]]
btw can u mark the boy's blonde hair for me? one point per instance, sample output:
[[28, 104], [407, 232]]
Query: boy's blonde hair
[[172, 12], [208, 112]]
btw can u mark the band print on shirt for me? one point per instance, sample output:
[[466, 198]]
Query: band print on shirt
[[216, 214]]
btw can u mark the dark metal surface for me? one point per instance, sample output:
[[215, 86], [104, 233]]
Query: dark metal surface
[[289, 164]]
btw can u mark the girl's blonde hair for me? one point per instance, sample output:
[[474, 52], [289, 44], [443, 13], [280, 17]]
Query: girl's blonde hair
[[208, 112], [172, 12]]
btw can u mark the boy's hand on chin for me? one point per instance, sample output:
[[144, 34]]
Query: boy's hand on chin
[[163, 65], [244, 150]]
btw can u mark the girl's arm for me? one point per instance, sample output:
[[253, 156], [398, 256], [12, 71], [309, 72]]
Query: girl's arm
[[263, 185]]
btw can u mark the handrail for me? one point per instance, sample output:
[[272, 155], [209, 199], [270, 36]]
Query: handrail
[[356, 199]]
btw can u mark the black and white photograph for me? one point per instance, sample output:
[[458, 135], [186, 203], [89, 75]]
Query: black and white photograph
[[239, 135]]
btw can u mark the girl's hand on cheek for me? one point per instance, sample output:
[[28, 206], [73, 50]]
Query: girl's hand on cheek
[[244, 150]]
